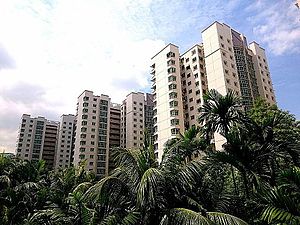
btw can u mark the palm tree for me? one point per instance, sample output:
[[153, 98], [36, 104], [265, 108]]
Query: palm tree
[[219, 113], [141, 191], [281, 205]]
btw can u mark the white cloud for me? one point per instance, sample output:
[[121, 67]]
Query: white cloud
[[277, 24], [65, 47]]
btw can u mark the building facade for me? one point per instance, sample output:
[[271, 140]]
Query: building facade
[[37, 139], [91, 143], [168, 106], [136, 116], [193, 82], [224, 62], [65, 141]]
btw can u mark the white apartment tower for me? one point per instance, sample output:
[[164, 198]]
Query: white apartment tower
[[133, 120], [233, 65], [37, 139], [223, 62], [92, 132], [167, 91], [65, 141], [193, 83]]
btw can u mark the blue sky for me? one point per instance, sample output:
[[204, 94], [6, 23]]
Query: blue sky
[[50, 51]]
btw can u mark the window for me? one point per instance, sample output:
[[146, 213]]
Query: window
[[174, 131], [174, 112], [198, 101], [192, 117], [190, 91], [197, 92], [189, 75], [187, 60], [171, 70], [172, 86], [174, 122], [221, 37], [172, 78], [173, 103], [170, 54], [196, 75], [191, 99], [171, 62], [172, 95], [189, 83], [191, 108]]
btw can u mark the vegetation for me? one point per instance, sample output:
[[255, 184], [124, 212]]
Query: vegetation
[[255, 179]]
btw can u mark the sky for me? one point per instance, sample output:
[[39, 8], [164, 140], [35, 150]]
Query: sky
[[53, 50]]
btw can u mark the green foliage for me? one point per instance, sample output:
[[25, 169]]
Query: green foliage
[[255, 179]]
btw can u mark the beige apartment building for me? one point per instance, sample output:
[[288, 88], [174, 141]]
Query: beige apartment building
[[65, 141], [96, 131], [224, 62], [168, 106], [114, 132], [193, 82], [136, 116], [37, 139], [232, 65]]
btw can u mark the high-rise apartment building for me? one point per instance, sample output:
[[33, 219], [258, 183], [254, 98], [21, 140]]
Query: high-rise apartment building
[[65, 141], [168, 106], [135, 117], [148, 114], [37, 139], [223, 62], [193, 82], [114, 125], [233, 65], [114, 132], [92, 132], [263, 77]]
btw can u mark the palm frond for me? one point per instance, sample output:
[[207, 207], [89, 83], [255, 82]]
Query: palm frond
[[225, 219], [148, 187]]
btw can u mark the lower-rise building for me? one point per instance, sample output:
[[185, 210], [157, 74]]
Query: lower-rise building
[[136, 116], [37, 139], [65, 141]]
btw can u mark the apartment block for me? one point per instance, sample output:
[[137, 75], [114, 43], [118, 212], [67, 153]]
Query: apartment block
[[193, 82], [168, 106], [65, 141], [148, 115], [92, 132], [37, 139], [263, 77], [136, 112], [224, 62], [114, 132], [115, 125], [233, 65]]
